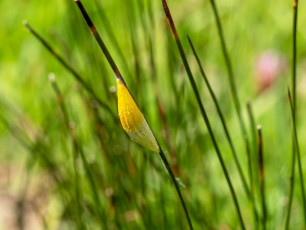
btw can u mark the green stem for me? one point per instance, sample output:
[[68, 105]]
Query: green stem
[[165, 161], [255, 151], [221, 116], [229, 69], [119, 76], [296, 142], [261, 178], [200, 104], [70, 69], [291, 188], [293, 79]]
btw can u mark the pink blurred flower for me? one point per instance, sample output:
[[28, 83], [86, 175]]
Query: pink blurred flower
[[269, 66]]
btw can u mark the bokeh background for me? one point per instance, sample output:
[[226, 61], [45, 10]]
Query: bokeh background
[[125, 186]]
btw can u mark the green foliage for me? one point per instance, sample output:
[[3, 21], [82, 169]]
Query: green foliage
[[118, 184]]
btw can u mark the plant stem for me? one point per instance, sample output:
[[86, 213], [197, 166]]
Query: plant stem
[[293, 80], [261, 178], [221, 116], [296, 142], [256, 169], [203, 112], [291, 188], [165, 161], [70, 69], [119, 76], [229, 69]]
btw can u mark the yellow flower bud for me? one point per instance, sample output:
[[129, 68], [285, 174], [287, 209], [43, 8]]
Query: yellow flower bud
[[132, 119]]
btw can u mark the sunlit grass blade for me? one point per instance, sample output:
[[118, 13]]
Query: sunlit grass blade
[[69, 68], [229, 69], [262, 178], [221, 116], [131, 117], [297, 146], [200, 104]]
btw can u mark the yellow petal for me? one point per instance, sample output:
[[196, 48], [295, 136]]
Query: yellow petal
[[132, 119]]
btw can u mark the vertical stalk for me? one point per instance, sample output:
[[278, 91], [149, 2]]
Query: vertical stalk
[[293, 82], [253, 179], [261, 178], [229, 69], [296, 144], [291, 188]]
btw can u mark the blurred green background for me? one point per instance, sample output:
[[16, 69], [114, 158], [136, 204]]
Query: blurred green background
[[129, 187]]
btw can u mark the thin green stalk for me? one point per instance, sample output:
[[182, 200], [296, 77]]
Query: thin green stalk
[[291, 187], [253, 126], [254, 142], [203, 112], [112, 37], [296, 142], [165, 161], [293, 79], [149, 28], [262, 178], [70, 69], [229, 69], [119, 76], [221, 116], [63, 108], [294, 47], [99, 40], [135, 48], [255, 150]]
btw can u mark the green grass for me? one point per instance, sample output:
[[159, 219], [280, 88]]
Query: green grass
[[92, 176]]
